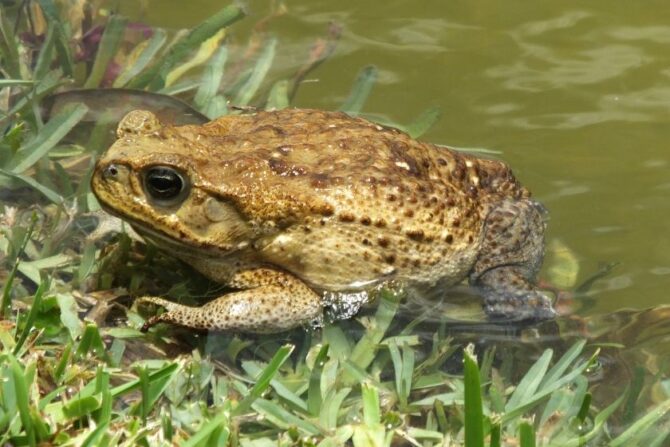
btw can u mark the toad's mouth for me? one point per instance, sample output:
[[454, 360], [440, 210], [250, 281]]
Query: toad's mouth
[[168, 242]]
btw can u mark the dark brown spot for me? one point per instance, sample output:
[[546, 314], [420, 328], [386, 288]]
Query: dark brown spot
[[402, 159], [365, 242], [409, 213], [326, 210], [391, 197], [346, 217], [470, 239], [320, 180], [284, 169], [456, 222], [449, 239], [366, 220], [380, 223], [270, 128], [383, 242], [415, 235], [390, 259], [451, 202]]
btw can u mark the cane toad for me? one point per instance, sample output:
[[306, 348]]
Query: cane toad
[[286, 206]]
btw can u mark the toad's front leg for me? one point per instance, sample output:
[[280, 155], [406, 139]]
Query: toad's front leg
[[272, 301]]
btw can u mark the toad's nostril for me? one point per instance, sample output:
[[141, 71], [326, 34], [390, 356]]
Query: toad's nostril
[[110, 172]]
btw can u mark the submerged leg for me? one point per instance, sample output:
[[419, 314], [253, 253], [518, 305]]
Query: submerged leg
[[273, 302], [510, 257]]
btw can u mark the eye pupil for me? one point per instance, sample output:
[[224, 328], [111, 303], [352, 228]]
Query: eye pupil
[[163, 183]]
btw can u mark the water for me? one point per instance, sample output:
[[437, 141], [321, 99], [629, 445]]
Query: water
[[574, 95]]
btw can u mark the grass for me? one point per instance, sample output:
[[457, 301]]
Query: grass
[[74, 369]]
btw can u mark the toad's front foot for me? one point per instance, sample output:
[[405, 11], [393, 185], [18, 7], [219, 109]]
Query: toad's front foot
[[274, 302]]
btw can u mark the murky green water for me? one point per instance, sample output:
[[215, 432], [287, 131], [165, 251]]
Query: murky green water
[[576, 96]]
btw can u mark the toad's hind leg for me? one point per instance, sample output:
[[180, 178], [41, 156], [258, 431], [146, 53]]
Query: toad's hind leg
[[273, 301], [509, 260]]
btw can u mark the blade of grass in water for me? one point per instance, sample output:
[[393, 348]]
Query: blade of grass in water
[[141, 57], [474, 427], [211, 80], [47, 192], [278, 97], [45, 57], [49, 135], [109, 43], [360, 91], [155, 76], [62, 37], [201, 56], [639, 429], [14, 82], [9, 48], [263, 64], [423, 122]]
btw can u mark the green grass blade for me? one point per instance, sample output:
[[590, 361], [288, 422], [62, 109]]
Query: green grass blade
[[526, 434], [371, 410], [6, 303], [360, 91], [22, 398], [45, 56], [278, 97], [155, 76], [109, 43], [331, 407], [314, 398], [530, 382], [264, 379], [598, 423], [640, 428], [544, 392], [207, 429], [423, 122], [261, 68], [9, 48], [146, 56], [49, 193], [283, 418], [494, 436], [62, 38], [15, 82], [211, 80], [563, 364], [474, 415], [32, 314], [48, 136]]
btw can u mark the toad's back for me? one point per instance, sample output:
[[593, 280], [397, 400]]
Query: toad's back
[[356, 202]]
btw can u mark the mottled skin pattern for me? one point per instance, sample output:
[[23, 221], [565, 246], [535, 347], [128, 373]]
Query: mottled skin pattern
[[289, 204]]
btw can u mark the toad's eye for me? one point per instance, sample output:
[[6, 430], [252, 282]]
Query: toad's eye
[[165, 185]]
